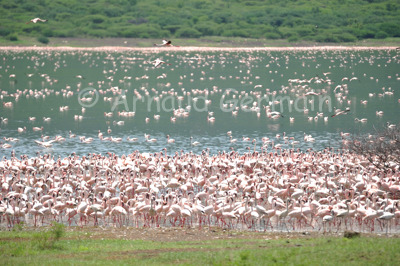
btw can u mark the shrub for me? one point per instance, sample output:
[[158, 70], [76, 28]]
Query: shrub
[[186, 32], [63, 16], [328, 37], [381, 35], [48, 239], [293, 38], [113, 12], [29, 7], [143, 31], [305, 30], [19, 226], [222, 17], [286, 32], [95, 26], [236, 33], [392, 29], [172, 28], [61, 34], [67, 32], [97, 19], [366, 34], [351, 234], [4, 31], [48, 33], [43, 39], [31, 28], [13, 38], [382, 149], [208, 28], [272, 35], [57, 231], [100, 33], [347, 37]]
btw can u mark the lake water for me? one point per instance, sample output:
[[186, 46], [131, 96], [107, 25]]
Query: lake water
[[240, 87]]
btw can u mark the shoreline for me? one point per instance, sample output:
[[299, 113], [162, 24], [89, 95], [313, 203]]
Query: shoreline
[[206, 44], [194, 48]]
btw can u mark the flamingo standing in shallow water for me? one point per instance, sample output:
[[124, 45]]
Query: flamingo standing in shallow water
[[195, 143], [169, 140]]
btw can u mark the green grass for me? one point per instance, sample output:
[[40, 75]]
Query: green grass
[[86, 247]]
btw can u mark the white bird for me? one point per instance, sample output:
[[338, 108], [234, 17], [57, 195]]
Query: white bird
[[21, 129], [169, 140], [386, 216], [165, 43], [362, 120], [46, 144], [195, 143], [341, 112], [131, 139], [147, 137], [311, 93], [390, 126], [158, 62], [37, 128], [35, 20]]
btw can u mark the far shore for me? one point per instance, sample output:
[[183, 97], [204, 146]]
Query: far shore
[[203, 44], [189, 48]]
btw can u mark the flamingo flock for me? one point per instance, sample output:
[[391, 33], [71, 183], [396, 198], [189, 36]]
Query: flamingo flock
[[272, 185], [268, 190]]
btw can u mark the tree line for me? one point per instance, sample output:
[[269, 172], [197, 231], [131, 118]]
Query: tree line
[[293, 20]]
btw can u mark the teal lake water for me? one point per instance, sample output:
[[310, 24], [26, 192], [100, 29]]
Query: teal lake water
[[242, 88]]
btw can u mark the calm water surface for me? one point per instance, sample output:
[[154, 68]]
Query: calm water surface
[[38, 83]]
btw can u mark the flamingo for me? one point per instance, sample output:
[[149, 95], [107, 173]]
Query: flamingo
[[195, 143], [362, 120], [340, 112], [232, 140], [343, 214], [46, 144], [210, 119], [35, 20], [165, 43], [169, 140], [390, 126], [327, 219], [37, 128], [147, 137], [20, 129], [131, 139], [282, 215], [158, 62]]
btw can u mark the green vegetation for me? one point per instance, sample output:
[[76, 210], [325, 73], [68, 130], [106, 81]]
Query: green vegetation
[[251, 248], [43, 39], [292, 20]]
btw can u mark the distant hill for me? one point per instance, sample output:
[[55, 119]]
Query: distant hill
[[294, 20]]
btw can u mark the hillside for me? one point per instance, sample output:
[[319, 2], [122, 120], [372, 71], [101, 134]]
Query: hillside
[[293, 20]]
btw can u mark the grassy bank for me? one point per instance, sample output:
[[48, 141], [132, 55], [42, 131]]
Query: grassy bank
[[192, 246], [200, 42]]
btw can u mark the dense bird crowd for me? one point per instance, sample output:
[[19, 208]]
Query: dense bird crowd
[[269, 190]]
